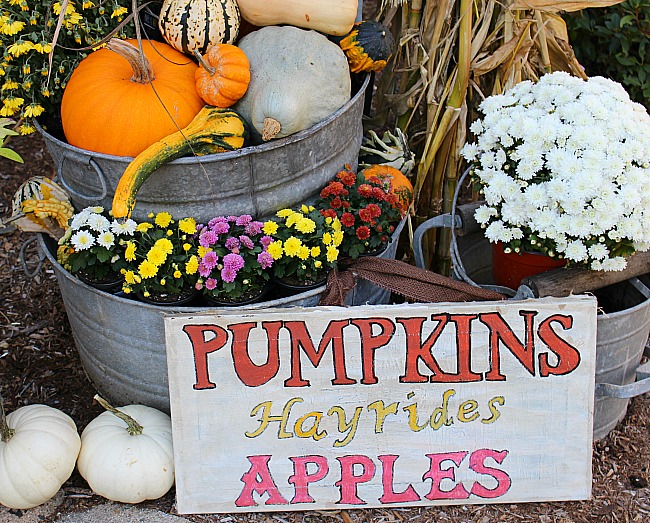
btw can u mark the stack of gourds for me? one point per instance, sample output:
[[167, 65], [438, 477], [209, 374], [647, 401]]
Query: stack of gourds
[[205, 91]]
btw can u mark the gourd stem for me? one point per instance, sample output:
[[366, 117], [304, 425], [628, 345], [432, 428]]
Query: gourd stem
[[6, 433], [203, 63], [133, 427], [270, 129], [142, 69]]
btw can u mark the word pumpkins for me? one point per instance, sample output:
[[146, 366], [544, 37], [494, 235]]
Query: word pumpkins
[[194, 25], [118, 102]]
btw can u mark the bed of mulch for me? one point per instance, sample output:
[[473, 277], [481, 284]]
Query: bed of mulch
[[39, 364]]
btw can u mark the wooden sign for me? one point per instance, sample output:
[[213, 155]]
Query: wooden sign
[[382, 406]]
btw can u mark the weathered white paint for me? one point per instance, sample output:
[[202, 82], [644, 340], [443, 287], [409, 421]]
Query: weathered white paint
[[521, 438]]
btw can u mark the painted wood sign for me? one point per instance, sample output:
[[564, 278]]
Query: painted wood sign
[[375, 406]]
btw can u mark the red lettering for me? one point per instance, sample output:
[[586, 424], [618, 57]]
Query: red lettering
[[477, 464], [370, 343], [301, 477], [464, 354], [568, 356], [501, 331], [387, 479], [301, 338], [247, 371], [416, 350], [202, 348], [259, 468], [349, 481], [436, 474]]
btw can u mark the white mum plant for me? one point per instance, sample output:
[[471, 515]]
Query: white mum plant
[[564, 166]]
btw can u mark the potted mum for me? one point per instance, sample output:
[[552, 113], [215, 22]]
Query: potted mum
[[305, 249], [233, 260], [161, 261], [92, 248], [367, 207], [564, 166]]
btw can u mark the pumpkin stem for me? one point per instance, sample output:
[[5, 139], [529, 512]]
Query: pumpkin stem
[[203, 63], [6, 433], [142, 69], [133, 427], [270, 129]]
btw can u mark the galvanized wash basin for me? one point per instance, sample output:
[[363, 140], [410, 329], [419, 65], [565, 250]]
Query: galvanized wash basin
[[256, 180]]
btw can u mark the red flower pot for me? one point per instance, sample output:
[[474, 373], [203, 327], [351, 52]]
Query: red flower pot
[[508, 269]]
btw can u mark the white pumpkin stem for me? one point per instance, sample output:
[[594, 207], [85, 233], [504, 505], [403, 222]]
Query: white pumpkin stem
[[6, 433], [270, 129], [133, 427], [142, 69], [203, 63]]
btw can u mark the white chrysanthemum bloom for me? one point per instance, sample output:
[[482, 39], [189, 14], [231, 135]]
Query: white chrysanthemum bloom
[[82, 240], [576, 251], [598, 251], [126, 228], [79, 220], [484, 213], [106, 239], [617, 263], [98, 223]]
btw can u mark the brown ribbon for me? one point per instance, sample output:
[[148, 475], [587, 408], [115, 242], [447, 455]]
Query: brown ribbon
[[415, 284]]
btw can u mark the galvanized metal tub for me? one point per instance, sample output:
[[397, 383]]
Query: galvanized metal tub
[[121, 342], [256, 180]]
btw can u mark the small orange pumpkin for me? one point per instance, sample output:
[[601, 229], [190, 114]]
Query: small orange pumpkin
[[401, 185], [223, 75], [119, 103]]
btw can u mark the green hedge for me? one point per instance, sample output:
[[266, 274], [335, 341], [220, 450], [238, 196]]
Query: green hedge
[[615, 42]]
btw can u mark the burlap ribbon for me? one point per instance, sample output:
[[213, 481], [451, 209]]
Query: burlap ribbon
[[415, 284]]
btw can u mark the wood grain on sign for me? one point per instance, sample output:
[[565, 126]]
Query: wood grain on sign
[[394, 405]]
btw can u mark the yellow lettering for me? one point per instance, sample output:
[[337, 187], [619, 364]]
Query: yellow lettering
[[439, 415], [467, 411], [381, 412], [266, 418], [313, 431], [495, 412], [344, 426]]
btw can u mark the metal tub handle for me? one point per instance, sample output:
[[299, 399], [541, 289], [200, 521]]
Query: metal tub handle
[[640, 386], [73, 192]]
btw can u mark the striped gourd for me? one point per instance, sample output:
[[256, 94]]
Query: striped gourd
[[189, 25]]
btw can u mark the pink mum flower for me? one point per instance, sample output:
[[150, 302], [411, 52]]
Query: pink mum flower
[[210, 259], [265, 260], [210, 284]]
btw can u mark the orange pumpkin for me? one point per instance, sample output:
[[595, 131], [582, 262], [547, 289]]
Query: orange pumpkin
[[401, 185], [119, 103], [223, 75]]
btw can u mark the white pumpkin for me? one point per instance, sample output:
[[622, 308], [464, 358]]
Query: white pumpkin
[[127, 453], [39, 446], [298, 78]]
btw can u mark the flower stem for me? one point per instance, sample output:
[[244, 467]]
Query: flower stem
[[133, 427]]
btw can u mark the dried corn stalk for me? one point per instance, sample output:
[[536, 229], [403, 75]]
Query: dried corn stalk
[[452, 54]]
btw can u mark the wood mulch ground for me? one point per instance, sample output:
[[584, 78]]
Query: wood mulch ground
[[39, 364]]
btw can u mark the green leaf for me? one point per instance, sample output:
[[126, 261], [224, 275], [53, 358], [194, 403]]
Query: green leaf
[[11, 155]]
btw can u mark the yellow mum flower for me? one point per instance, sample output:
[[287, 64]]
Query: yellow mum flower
[[129, 253], [73, 20], [303, 252], [12, 103], [70, 8], [157, 256], [10, 85], [187, 225], [186, 247], [293, 218], [26, 128], [43, 48], [165, 245], [304, 209], [318, 264], [119, 12], [143, 227], [327, 238], [170, 232], [203, 250], [292, 246], [177, 274], [306, 225], [270, 227], [192, 265], [338, 238], [275, 250], [147, 269], [129, 277], [315, 252], [87, 5], [6, 111], [283, 213], [336, 224], [33, 110], [11, 28], [163, 219], [332, 253]]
